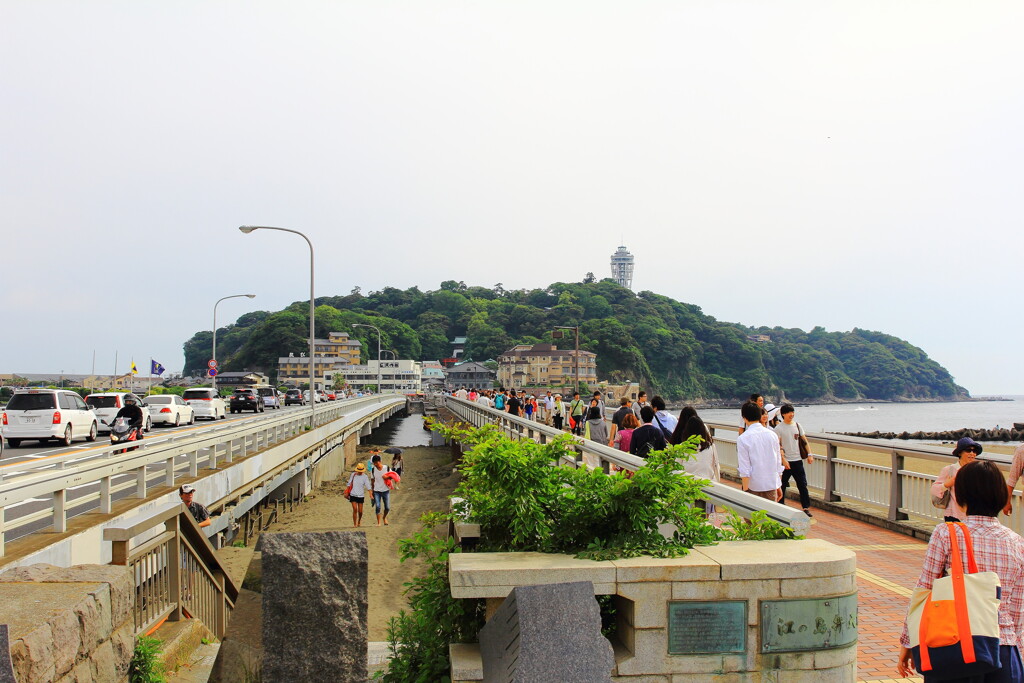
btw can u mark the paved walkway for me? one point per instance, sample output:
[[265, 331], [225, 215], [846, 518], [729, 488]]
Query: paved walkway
[[888, 564]]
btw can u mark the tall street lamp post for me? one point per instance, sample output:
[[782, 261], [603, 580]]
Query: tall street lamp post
[[312, 344], [380, 389], [558, 335], [233, 296]]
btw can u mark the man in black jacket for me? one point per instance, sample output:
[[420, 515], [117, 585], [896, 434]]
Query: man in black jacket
[[133, 412]]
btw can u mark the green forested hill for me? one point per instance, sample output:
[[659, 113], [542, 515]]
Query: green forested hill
[[661, 343]]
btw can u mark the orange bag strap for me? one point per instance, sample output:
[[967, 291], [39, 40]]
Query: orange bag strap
[[926, 661], [972, 566], [963, 620]]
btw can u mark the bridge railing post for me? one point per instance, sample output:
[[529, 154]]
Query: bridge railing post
[[105, 497], [140, 482], [830, 472], [896, 487], [174, 567]]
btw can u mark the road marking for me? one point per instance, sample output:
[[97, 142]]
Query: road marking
[[884, 583]]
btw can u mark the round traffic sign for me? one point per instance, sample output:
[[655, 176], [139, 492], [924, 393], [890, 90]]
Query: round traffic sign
[[211, 363], [212, 372]]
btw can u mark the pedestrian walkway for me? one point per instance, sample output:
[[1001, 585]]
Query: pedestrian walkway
[[888, 564]]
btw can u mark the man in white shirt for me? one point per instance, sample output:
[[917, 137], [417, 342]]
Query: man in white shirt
[[483, 399], [758, 455], [549, 407], [462, 393], [789, 435]]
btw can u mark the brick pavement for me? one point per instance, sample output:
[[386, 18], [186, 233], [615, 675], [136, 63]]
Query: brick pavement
[[888, 564]]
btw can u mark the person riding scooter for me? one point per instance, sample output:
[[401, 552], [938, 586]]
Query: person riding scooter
[[133, 412]]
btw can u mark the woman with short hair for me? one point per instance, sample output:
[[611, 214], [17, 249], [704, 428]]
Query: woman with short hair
[[980, 489]]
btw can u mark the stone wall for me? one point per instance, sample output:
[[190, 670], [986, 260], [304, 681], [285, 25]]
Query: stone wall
[[69, 624], [750, 573]]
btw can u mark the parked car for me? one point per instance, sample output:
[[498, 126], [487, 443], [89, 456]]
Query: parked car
[[271, 399], [206, 403], [44, 414], [170, 409], [294, 397], [246, 399], [106, 406]]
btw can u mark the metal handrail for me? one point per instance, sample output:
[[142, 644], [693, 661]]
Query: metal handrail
[[172, 569], [53, 477], [593, 454]]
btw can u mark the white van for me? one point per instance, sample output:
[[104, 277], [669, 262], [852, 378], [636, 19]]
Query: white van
[[44, 414], [206, 403], [271, 398]]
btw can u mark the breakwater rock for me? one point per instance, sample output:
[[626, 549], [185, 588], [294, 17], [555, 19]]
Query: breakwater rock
[[1001, 434]]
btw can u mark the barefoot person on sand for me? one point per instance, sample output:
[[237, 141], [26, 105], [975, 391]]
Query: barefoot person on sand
[[360, 484], [381, 490]]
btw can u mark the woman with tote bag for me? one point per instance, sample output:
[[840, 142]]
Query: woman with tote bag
[[967, 627]]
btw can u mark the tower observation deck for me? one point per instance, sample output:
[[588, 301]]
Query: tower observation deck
[[622, 268]]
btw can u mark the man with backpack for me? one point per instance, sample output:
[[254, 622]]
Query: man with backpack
[[499, 399], [647, 437]]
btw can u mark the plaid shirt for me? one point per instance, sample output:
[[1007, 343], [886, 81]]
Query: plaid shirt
[[1017, 468], [996, 549]]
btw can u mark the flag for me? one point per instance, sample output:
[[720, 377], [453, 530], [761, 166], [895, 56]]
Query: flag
[[135, 370], [155, 368]]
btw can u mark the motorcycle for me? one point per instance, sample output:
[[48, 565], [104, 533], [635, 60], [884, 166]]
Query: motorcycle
[[122, 431]]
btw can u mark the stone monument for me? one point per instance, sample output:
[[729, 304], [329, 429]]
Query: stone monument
[[547, 633], [314, 606]]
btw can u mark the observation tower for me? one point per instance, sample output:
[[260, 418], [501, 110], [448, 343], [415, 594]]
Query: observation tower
[[622, 268]]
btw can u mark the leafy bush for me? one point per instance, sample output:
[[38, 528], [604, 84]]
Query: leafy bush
[[523, 501], [145, 666]]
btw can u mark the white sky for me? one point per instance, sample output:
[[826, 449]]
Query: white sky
[[864, 156]]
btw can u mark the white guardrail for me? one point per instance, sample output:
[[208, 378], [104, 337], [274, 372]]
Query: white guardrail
[[90, 479], [593, 454], [897, 493]]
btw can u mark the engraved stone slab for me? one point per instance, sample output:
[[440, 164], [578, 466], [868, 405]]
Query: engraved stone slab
[[6, 667], [314, 606], [714, 627], [547, 633], [812, 624]]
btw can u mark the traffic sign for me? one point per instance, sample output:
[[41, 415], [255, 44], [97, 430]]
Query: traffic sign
[[212, 372], [212, 363]]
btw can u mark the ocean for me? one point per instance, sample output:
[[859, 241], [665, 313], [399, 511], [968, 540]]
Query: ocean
[[895, 417]]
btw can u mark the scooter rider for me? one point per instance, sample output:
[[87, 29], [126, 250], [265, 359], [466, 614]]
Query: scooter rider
[[133, 412]]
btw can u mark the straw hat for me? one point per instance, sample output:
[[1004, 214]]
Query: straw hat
[[360, 467]]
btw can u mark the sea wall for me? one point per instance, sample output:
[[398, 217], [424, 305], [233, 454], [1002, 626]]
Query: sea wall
[[1001, 434]]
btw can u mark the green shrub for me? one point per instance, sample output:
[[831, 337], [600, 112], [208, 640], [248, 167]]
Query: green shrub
[[145, 666]]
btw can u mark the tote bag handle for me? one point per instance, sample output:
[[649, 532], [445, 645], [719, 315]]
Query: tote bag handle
[[963, 620]]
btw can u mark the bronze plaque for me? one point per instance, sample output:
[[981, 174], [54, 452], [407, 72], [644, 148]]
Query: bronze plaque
[[713, 627], [812, 624]]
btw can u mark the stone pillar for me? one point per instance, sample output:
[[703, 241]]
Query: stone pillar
[[314, 606]]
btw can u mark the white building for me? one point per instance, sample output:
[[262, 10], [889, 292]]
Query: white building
[[622, 268], [397, 376]]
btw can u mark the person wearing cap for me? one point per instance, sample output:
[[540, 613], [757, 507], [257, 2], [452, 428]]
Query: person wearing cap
[[360, 484], [967, 449], [187, 493], [558, 412]]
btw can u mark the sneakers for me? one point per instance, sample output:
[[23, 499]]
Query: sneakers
[[807, 512]]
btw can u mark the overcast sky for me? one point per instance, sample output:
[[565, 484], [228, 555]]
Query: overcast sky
[[844, 164]]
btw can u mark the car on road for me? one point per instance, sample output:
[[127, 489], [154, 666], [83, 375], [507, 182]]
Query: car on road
[[315, 398], [170, 409], [206, 403], [107, 405], [331, 396], [271, 397], [44, 414], [246, 399], [294, 397]]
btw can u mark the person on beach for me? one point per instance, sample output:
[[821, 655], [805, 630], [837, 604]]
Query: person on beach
[[646, 437], [789, 433], [360, 484], [981, 490], [558, 412], [1016, 469], [381, 490], [759, 455], [967, 449], [397, 464]]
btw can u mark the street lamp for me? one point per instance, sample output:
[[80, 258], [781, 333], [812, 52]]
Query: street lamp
[[233, 296], [312, 344], [380, 389], [558, 335]]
